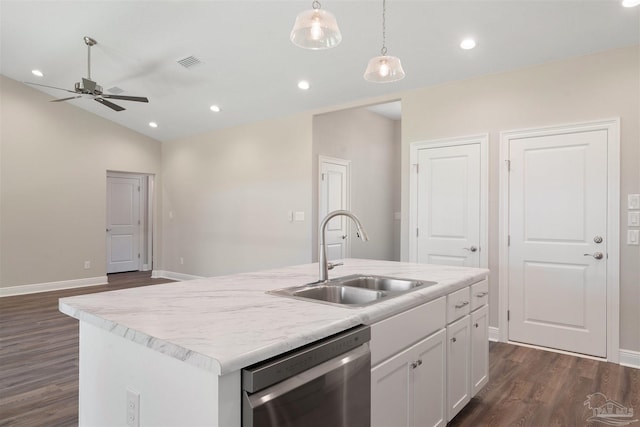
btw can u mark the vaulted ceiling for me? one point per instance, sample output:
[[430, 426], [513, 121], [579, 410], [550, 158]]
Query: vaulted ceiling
[[249, 67]]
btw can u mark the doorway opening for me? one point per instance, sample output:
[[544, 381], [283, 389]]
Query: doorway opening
[[129, 222]]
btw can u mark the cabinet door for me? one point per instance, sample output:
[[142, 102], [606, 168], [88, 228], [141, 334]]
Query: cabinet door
[[391, 390], [479, 349], [458, 366], [429, 382]]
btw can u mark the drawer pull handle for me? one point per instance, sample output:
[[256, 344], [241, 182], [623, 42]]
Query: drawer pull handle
[[462, 304], [417, 363], [482, 294]]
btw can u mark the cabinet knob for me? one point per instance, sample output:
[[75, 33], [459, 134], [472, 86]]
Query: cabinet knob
[[476, 325], [453, 339]]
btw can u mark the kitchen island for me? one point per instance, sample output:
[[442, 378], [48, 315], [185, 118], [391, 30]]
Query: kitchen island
[[176, 349]]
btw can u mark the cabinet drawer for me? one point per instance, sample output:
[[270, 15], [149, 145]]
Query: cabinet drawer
[[479, 294], [398, 332], [458, 304]]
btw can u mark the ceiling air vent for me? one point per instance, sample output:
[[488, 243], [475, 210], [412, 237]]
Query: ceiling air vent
[[189, 61], [115, 90]]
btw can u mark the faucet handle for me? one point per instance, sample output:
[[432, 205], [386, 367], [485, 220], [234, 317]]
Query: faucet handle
[[331, 265]]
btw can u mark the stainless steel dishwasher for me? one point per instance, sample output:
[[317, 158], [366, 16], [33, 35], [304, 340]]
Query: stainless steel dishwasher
[[327, 383]]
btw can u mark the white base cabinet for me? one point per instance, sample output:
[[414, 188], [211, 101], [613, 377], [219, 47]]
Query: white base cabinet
[[428, 362], [408, 389]]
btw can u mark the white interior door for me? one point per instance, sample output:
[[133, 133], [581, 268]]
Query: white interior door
[[334, 186], [448, 203], [558, 239], [123, 224]]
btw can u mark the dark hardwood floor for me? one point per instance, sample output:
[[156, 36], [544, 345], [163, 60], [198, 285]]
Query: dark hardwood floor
[[39, 372], [39, 355]]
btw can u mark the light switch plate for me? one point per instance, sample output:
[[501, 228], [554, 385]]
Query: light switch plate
[[633, 237], [633, 219], [633, 201]]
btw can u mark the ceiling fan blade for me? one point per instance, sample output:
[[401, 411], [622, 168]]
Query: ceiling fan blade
[[127, 98], [51, 87], [65, 99], [109, 104]]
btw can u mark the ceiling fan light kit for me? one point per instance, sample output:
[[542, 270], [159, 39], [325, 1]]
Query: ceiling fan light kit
[[316, 29], [91, 88]]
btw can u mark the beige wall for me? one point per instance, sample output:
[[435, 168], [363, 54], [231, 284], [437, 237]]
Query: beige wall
[[593, 87], [371, 142], [229, 193], [53, 185]]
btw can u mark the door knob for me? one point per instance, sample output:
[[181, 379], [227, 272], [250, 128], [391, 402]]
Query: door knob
[[596, 255], [343, 237], [471, 249], [108, 230]]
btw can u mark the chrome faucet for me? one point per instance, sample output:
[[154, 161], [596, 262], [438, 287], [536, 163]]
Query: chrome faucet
[[324, 265]]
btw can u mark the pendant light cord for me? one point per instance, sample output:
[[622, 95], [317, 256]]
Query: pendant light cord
[[383, 51]]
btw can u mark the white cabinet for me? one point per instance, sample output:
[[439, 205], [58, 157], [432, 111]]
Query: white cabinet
[[408, 389], [428, 362], [458, 366], [479, 349]]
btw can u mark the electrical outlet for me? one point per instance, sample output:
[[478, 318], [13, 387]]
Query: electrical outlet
[[633, 219], [181, 261], [87, 265], [633, 237], [133, 408], [633, 201]]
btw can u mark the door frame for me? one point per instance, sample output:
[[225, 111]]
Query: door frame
[[612, 127], [147, 201], [347, 164], [483, 141]]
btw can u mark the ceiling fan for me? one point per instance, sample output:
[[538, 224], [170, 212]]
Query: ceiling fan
[[91, 88]]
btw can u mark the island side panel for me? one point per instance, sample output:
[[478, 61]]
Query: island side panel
[[171, 392]]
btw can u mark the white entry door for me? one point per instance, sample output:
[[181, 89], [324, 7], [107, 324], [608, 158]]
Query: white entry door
[[123, 224], [558, 238], [448, 205], [334, 195]]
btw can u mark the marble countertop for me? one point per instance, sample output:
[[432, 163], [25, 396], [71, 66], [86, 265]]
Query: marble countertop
[[225, 323]]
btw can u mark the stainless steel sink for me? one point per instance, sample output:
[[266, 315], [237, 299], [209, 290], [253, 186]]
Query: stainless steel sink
[[340, 294], [353, 291], [381, 283]]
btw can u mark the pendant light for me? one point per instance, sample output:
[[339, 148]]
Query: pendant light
[[384, 68], [316, 29]]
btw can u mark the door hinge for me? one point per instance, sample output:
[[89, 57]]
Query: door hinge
[[138, 222], [417, 232], [138, 188], [322, 177], [138, 256], [509, 240], [508, 315], [417, 165], [508, 162]]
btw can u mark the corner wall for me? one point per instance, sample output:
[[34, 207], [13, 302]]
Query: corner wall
[[53, 185]]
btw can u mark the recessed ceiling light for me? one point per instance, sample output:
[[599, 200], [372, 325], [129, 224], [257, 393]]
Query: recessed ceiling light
[[303, 84], [153, 124], [37, 73], [215, 108], [630, 3], [467, 44]]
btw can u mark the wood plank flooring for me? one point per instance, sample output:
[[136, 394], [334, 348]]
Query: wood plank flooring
[[39, 355], [528, 387]]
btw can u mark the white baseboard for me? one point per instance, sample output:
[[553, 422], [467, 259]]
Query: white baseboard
[[172, 275], [52, 286], [630, 358], [627, 358], [494, 334]]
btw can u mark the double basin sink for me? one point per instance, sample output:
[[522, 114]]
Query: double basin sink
[[353, 291]]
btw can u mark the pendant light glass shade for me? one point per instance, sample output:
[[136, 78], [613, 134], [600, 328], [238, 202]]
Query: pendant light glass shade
[[384, 69], [316, 29]]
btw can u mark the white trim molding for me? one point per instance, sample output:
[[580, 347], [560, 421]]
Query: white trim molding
[[172, 275], [612, 127], [630, 358], [52, 286], [494, 334]]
